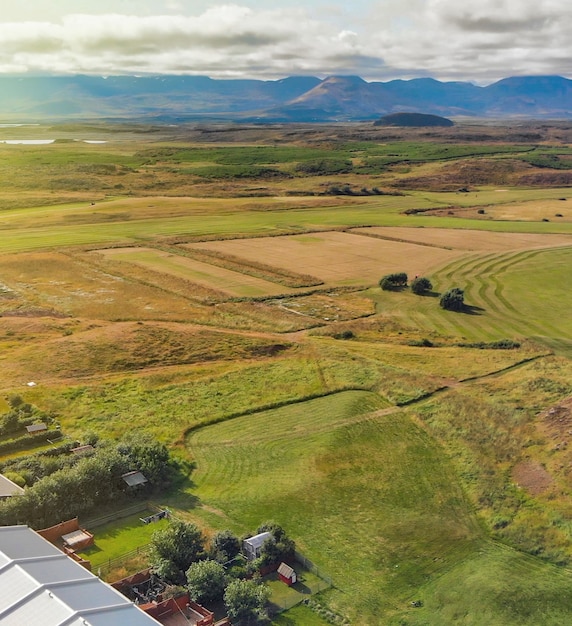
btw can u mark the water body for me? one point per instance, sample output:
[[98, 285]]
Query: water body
[[30, 142]]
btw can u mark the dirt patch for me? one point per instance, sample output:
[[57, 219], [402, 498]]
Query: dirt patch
[[531, 476], [557, 420]]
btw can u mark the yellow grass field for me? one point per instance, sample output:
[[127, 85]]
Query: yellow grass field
[[65, 285], [550, 209], [337, 258], [469, 240], [227, 281]]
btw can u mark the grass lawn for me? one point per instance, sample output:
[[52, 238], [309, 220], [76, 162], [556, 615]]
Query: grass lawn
[[496, 587], [299, 615], [120, 537], [283, 596], [283, 465]]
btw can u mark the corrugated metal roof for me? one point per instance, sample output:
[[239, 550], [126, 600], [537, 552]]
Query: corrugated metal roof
[[258, 540], [9, 488], [285, 570], [36, 428], [41, 586], [134, 478]]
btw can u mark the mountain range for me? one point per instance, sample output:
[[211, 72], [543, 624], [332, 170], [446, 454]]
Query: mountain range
[[293, 99]]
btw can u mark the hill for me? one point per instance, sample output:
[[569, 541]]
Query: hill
[[413, 120], [293, 99]]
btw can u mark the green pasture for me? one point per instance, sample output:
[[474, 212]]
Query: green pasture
[[131, 221], [395, 505], [300, 615], [496, 587], [361, 496], [510, 295], [204, 394]]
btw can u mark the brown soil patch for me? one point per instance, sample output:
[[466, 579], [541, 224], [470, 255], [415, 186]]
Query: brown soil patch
[[558, 420], [531, 476]]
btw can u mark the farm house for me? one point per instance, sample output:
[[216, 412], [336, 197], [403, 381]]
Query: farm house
[[287, 574], [251, 546]]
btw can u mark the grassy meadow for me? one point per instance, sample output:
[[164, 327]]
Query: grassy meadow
[[220, 292]]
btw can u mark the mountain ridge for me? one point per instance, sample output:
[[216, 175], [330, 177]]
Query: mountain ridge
[[294, 98]]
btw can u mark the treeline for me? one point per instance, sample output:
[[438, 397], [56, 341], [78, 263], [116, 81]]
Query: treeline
[[65, 485], [13, 434]]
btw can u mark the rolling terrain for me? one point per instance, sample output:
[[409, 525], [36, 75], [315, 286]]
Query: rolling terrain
[[218, 288]]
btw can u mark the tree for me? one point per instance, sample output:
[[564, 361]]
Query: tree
[[453, 300], [225, 546], [206, 581], [275, 548], [421, 285], [245, 601], [179, 544], [392, 282]]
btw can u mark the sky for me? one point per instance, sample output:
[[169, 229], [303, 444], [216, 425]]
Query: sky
[[471, 40]]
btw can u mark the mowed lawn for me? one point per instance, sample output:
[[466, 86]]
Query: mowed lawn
[[509, 295], [118, 538], [368, 497], [372, 500]]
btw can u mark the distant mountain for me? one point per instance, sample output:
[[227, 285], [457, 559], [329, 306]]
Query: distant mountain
[[293, 99]]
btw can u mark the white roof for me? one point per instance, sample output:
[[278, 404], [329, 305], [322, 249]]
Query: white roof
[[41, 586], [285, 570], [9, 488], [258, 540]]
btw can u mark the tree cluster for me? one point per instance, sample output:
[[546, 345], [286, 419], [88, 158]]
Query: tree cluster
[[180, 557], [453, 300], [393, 282], [70, 486], [421, 285]]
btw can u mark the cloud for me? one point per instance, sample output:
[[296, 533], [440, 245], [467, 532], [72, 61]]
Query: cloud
[[470, 40], [482, 40], [223, 40]]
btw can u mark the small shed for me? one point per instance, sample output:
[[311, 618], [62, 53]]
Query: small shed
[[34, 429], [134, 479], [83, 450], [9, 488], [251, 546], [287, 574]]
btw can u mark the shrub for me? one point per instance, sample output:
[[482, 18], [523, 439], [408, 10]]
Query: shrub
[[392, 282], [453, 300], [345, 334], [320, 167], [421, 285]]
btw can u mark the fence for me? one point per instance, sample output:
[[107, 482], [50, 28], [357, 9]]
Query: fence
[[300, 558], [278, 605], [100, 521], [105, 568]]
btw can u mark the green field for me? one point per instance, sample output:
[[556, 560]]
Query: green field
[[222, 295]]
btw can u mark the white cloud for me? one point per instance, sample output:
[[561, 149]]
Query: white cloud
[[450, 39]]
